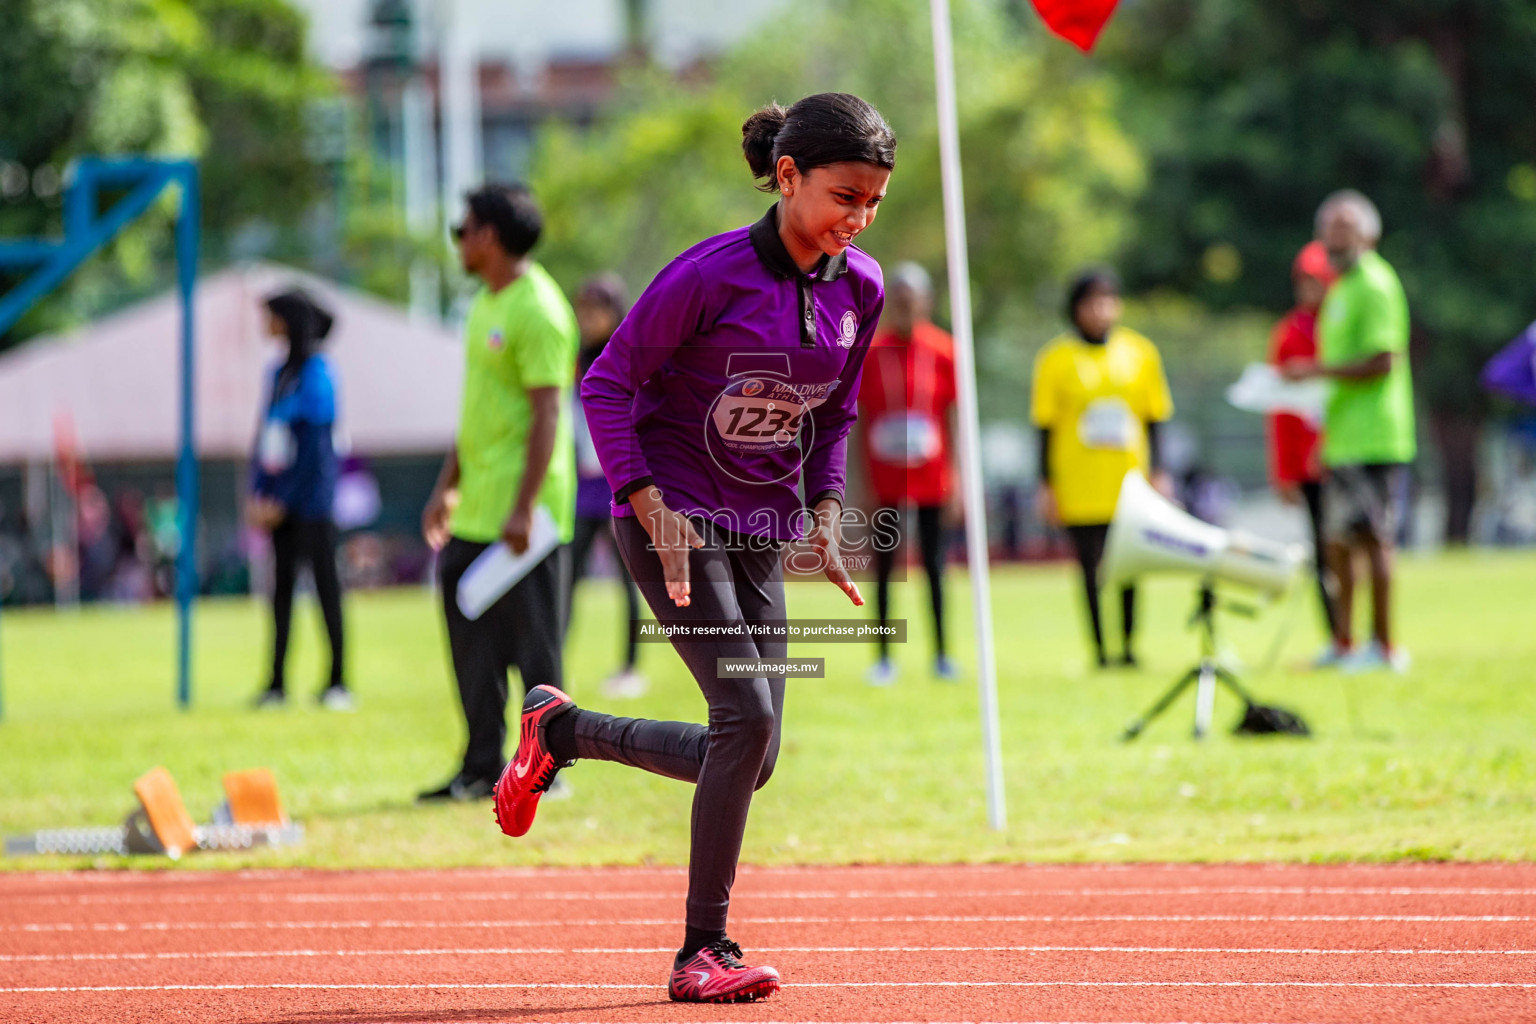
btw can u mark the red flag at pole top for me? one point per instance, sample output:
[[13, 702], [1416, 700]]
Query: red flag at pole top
[[1079, 22]]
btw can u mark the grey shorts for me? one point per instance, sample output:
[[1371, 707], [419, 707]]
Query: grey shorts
[[1364, 502]]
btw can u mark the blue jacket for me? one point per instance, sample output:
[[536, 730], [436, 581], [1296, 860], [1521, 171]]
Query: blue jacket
[[295, 459]]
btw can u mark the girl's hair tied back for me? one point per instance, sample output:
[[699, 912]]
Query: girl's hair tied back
[[757, 138]]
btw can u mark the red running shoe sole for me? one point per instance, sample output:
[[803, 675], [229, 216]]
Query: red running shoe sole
[[747, 994]]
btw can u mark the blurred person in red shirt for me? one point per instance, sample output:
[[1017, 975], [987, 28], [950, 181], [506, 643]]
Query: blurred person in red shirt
[[1295, 468], [906, 400]]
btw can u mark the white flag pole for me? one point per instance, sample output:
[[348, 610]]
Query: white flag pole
[[970, 428], [460, 70]]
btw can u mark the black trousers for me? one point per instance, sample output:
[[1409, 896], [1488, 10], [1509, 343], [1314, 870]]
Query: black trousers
[[522, 628], [311, 542], [588, 529], [1312, 492], [733, 579], [930, 541], [1088, 541]]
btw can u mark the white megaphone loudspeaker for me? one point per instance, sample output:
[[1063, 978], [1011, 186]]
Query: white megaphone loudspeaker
[[1150, 534]]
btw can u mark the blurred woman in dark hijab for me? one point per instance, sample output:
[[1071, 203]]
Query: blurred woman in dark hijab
[[293, 484]]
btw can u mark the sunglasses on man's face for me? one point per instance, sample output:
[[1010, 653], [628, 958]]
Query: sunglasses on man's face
[[462, 228]]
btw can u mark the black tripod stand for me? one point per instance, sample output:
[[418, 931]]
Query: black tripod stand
[[1205, 674]]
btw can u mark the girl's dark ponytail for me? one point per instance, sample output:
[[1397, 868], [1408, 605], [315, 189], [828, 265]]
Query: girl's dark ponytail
[[827, 128], [757, 137]]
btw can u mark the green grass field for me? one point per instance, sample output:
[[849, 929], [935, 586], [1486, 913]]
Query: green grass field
[[1434, 765]]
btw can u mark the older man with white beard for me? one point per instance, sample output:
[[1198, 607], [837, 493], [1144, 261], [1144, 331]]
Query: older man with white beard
[[1368, 423]]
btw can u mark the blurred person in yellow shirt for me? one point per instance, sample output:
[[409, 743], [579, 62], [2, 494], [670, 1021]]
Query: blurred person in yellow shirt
[[1099, 395]]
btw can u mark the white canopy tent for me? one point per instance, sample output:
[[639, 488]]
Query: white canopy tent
[[115, 379]]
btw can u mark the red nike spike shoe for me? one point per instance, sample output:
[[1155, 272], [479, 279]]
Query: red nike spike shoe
[[715, 974], [533, 767]]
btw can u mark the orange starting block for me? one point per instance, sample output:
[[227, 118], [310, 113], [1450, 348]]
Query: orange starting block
[[170, 827], [253, 799], [251, 815]]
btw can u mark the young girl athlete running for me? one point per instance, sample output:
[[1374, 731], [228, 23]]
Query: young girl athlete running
[[731, 384]]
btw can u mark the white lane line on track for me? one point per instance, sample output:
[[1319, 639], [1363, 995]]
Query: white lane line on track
[[170, 926], [750, 870], [854, 894], [595, 986], [260, 954]]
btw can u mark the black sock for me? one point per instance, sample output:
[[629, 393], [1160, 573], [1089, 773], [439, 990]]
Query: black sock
[[560, 736], [694, 940]]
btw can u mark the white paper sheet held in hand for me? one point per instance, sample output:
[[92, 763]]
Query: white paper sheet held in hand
[[498, 570], [1262, 389]]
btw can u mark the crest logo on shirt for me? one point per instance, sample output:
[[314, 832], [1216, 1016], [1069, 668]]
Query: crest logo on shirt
[[848, 329], [752, 388], [496, 340]]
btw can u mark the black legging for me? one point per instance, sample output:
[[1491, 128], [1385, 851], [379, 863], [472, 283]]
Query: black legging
[[1312, 492], [930, 540], [735, 580], [1088, 541], [521, 628], [312, 541], [588, 529]]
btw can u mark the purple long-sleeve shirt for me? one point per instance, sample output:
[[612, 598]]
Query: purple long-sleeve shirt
[[734, 380]]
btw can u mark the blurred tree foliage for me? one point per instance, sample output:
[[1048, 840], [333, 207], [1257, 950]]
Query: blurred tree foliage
[[227, 81], [1251, 112], [1050, 176]]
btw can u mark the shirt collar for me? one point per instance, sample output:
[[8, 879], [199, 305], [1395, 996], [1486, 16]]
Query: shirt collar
[[770, 249]]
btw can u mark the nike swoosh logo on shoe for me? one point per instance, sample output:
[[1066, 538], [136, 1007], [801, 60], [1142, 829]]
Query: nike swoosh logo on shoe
[[520, 770], [703, 976]]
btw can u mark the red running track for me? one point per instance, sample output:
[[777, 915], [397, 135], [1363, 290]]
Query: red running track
[[1230, 943]]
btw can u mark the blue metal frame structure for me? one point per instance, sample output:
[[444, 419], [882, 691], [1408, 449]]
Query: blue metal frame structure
[[87, 227]]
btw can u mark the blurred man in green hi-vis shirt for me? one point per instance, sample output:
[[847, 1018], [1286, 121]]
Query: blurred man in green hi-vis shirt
[[1368, 423], [514, 452]]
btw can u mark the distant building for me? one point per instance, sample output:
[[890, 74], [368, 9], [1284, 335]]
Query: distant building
[[532, 61], [676, 32]]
